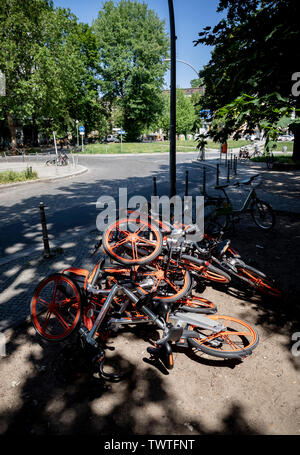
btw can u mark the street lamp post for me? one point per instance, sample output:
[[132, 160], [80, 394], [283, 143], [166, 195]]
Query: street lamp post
[[186, 63], [172, 102]]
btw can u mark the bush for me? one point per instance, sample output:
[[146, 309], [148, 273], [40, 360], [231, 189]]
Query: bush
[[13, 176]]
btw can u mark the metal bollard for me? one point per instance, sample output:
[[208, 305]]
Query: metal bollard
[[228, 172], [154, 187], [231, 163], [186, 183], [204, 181], [235, 165], [47, 253], [218, 173]]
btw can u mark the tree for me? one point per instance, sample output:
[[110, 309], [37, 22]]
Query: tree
[[249, 77], [50, 64], [133, 46], [185, 113], [20, 33]]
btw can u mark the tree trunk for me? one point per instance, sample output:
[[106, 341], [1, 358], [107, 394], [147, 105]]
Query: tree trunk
[[12, 130], [296, 148], [296, 131], [35, 132]]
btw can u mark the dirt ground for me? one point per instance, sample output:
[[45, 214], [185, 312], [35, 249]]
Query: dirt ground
[[44, 390]]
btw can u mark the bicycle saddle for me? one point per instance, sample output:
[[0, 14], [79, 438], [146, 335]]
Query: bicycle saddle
[[246, 181], [220, 187]]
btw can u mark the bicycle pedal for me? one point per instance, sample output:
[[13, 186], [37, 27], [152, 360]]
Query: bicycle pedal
[[154, 352], [182, 343]]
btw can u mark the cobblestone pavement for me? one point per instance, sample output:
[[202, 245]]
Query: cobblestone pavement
[[20, 277]]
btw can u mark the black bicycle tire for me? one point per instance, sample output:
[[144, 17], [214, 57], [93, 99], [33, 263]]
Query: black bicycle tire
[[212, 219], [263, 277], [81, 305], [240, 354], [266, 229]]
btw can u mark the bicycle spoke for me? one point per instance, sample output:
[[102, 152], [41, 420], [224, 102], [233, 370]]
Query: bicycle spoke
[[45, 324], [140, 229], [155, 285], [61, 320], [148, 242], [231, 343], [171, 284], [43, 302], [121, 242], [134, 249]]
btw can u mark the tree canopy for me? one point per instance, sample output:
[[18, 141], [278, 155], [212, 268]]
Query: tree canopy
[[50, 65], [186, 118], [133, 46], [248, 79]]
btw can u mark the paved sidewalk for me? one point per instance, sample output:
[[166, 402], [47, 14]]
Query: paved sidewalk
[[280, 188], [20, 275]]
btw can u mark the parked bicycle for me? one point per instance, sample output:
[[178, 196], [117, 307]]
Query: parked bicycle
[[222, 212], [61, 160], [244, 153]]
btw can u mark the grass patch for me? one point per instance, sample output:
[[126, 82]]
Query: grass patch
[[139, 147], [287, 159], [289, 146], [154, 147], [14, 176]]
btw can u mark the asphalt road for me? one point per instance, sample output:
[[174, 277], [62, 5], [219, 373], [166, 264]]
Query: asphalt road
[[71, 203]]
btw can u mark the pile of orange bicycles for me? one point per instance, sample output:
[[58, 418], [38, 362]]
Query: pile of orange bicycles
[[151, 272]]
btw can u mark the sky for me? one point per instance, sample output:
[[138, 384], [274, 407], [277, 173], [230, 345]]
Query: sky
[[190, 17]]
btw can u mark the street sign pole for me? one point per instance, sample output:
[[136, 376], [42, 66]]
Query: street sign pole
[[121, 138], [55, 145], [82, 131]]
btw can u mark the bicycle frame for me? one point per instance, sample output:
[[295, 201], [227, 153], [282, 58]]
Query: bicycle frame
[[175, 333], [228, 210]]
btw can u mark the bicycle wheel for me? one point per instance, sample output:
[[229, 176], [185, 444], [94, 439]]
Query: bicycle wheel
[[197, 305], [259, 281], [56, 307], [133, 242], [237, 340], [204, 269], [214, 222], [168, 284], [263, 215]]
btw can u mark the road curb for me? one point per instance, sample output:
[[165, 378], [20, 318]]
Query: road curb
[[46, 179]]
